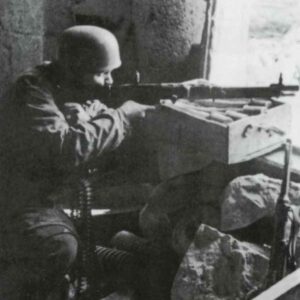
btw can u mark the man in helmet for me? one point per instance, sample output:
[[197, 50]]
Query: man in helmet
[[52, 128]]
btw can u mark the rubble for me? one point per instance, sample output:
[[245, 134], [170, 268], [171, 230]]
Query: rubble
[[250, 198], [185, 229], [219, 267]]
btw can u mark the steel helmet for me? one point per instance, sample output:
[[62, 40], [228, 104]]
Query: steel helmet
[[89, 49]]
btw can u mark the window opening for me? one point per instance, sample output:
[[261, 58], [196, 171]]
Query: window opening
[[253, 41]]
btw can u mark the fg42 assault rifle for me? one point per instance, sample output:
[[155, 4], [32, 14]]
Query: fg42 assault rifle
[[151, 93], [282, 260], [282, 275]]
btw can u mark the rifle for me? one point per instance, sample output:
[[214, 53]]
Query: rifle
[[151, 93], [281, 260], [283, 273]]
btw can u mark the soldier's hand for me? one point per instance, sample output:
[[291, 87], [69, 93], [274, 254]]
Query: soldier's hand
[[94, 107], [75, 113], [134, 110]]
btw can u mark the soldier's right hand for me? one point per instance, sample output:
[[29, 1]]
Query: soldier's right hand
[[134, 110]]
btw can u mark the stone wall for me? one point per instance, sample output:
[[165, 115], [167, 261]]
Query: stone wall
[[21, 38], [161, 39], [57, 17], [158, 38]]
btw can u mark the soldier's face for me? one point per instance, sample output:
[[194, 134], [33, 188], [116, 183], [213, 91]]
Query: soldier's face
[[97, 79]]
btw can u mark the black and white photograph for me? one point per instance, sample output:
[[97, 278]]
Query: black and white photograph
[[149, 149]]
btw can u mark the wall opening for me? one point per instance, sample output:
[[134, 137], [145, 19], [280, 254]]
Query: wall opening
[[253, 42]]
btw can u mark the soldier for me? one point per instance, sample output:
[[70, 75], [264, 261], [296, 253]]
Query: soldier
[[51, 128]]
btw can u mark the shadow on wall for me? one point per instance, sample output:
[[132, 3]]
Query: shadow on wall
[[162, 42], [187, 69], [126, 35]]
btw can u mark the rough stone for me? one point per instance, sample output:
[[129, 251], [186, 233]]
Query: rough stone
[[156, 37], [21, 38], [250, 198], [58, 15], [184, 230], [22, 16], [18, 53], [26, 52], [5, 62], [219, 267], [166, 32]]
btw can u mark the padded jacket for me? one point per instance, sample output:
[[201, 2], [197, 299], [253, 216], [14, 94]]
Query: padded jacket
[[41, 144]]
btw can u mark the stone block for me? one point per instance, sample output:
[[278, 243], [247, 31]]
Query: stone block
[[18, 53], [5, 62], [58, 16], [113, 11], [219, 267], [250, 198], [184, 231], [21, 32], [24, 16], [156, 37], [166, 31], [26, 52]]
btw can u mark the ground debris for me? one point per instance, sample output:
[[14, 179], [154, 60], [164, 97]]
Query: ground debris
[[219, 267]]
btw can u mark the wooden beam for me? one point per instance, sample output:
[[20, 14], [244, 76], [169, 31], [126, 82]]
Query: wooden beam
[[281, 287]]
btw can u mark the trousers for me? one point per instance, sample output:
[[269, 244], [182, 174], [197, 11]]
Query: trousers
[[38, 247]]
